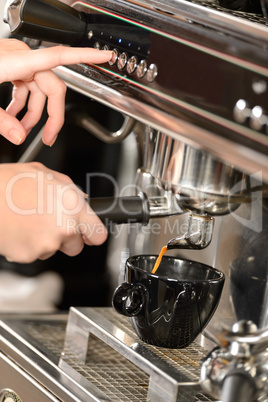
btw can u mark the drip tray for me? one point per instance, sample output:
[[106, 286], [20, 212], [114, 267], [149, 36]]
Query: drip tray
[[93, 354]]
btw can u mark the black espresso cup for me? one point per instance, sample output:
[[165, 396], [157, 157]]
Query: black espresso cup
[[171, 307]]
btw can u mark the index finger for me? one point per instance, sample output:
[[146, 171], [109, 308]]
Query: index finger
[[58, 55], [27, 63]]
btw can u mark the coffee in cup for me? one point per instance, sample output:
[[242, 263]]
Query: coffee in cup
[[171, 307]]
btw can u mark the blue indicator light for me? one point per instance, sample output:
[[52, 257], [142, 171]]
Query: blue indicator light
[[119, 40], [129, 44]]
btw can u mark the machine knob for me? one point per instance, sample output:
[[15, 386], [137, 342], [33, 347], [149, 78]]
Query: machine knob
[[114, 58], [141, 68], [257, 118], [152, 72], [241, 111], [49, 20], [132, 64], [122, 60]]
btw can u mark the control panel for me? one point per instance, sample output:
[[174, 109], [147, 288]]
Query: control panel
[[184, 74], [129, 42], [209, 86], [133, 65]]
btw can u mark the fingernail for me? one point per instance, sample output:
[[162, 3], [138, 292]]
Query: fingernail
[[15, 136], [53, 141]]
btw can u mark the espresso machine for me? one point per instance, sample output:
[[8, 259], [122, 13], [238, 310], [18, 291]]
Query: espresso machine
[[190, 78]]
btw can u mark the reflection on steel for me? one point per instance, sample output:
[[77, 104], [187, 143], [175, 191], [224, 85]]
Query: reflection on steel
[[84, 120], [247, 159], [209, 13], [241, 361], [198, 235], [201, 181]]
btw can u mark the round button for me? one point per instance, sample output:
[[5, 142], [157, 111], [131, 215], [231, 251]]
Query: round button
[[114, 58], [257, 118], [132, 64], [141, 69], [241, 111], [106, 47], [122, 61], [152, 72], [7, 395]]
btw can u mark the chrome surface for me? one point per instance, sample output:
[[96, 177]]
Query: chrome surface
[[198, 235], [201, 181], [22, 387], [141, 69], [122, 61], [246, 335], [132, 64], [238, 248], [110, 364], [12, 13], [152, 72], [243, 351], [88, 123], [179, 111], [209, 13], [238, 155], [114, 58], [163, 206]]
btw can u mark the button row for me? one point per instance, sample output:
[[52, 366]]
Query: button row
[[255, 116], [132, 64]]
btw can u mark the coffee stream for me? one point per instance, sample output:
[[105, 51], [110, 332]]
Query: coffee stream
[[159, 258]]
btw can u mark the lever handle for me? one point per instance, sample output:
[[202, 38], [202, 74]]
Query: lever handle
[[48, 20], [131, 209]]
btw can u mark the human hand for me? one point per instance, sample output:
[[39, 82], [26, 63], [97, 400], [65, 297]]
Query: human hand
[[42, 211], [30, 72]]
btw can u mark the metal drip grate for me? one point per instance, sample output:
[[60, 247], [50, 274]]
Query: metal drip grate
[[111, 372], [187, 360]]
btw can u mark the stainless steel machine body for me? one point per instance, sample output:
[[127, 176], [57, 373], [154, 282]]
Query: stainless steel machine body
[[97, 358], [195, 77]]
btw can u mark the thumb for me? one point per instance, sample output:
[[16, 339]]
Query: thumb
[[11, 128]]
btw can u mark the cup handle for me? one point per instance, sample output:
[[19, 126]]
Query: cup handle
[[129, 299]]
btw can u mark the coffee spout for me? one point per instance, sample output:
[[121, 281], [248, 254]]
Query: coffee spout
[[198, 235]]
